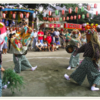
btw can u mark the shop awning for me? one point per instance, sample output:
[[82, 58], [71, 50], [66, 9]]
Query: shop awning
[[10, 9]]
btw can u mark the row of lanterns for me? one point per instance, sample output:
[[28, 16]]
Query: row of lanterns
[[66, 18], [14, 15], [70, 10]]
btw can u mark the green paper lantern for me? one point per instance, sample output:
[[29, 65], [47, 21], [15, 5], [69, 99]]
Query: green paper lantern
[[60, 19], [56, 12], [82, 9], [83, 16]]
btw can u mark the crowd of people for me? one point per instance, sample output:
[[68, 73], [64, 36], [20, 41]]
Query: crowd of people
[[48, 40]]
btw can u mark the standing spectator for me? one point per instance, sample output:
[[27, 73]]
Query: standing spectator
[[66, 35], [9, 37], [34, 38], [7, 23], [49, 40], [40, 36], [57, 33], [62, 38], [39, 46], [53, 36], [5, 46]]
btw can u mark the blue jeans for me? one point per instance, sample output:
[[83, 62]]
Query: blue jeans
[[41, 41], [34, 42]]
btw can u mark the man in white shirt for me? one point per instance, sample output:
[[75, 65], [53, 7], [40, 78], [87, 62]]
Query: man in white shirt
[[34, 38], [39, 46]]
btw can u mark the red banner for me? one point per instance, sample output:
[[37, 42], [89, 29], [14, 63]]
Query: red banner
[[72, 26], [54, 25]]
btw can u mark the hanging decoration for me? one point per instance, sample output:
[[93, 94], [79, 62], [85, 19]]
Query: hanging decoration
[[96, 12], [79, 16], [60, 19], [71, 17], [6, 12], [76, 9], [70, 10], [57, 18], [14, 15], [4, 15], [27, 15], [50, 13], [88, 7], [63, 12], [44, 14], [56, 12], [83, 16], [54, 19], [50, 19], [43, 18], [82, 9], [63, 18], [11, 12], [74, 16], [21, 15], [87, 15], [67, 18], [95, 5], [34, 15]]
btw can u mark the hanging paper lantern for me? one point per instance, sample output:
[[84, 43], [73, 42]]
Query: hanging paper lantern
[[67, 18], [50, 13], [76, 9], [43, 18], [70, 10], [88, 7], [60, 19], [27, 15], [49, 19], [82, 9], [79, 16], [63, 12], [34, 15], [4, 15], [95, 5], [46, 18], [92, 24], [11, 12], [96, 25], [6, 12], [14, 15], [71, 17], [56, 12], [83, 16], [21, 15], [57, 18], [74, 16], [87, 14], [54, 19], [96, 12], [63, 18]]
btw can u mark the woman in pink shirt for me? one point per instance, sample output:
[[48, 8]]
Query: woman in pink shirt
[[40, 36]]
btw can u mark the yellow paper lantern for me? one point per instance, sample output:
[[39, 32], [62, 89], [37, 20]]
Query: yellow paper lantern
[[96, 24], [92, 24], [87, 23]]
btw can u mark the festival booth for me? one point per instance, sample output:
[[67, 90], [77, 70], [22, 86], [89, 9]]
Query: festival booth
[[17, 14]]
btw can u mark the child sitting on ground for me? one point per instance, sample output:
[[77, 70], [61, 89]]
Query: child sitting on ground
[[45, 46]]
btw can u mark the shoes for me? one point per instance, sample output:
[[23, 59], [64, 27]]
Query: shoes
[[33, 68], [67, 77], [94, 88], [69, 67]]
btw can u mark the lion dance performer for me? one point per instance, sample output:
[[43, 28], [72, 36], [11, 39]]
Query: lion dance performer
[[89, 65], [74, 43], [19, 46]]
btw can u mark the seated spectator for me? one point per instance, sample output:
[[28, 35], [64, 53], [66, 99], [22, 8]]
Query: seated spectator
[[44, 46], [57, 43], [39, 46], [53, 47]]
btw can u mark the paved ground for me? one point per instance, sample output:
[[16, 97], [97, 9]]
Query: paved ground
[[48, 79]]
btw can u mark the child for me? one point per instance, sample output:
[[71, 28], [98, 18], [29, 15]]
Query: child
[[44, 46]]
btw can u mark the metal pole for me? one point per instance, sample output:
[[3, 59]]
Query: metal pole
[[0, 81]]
